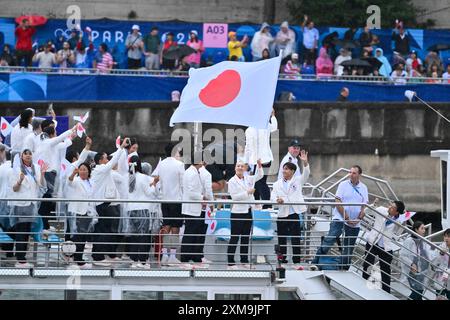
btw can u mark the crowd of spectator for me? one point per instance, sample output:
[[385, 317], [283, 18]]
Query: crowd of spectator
[[332, 57]]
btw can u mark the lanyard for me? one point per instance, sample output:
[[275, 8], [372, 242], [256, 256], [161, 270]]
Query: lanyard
[[357, 191]]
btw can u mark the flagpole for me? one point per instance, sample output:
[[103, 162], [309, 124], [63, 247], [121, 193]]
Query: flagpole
[[198, 144], [446, 119]]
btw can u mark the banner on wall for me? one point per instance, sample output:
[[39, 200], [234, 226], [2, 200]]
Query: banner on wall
[[215, 35]]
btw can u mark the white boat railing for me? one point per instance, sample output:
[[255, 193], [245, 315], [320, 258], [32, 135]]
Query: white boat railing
[[261, 248]]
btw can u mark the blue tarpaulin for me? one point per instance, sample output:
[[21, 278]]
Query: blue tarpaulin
[[62, 87]]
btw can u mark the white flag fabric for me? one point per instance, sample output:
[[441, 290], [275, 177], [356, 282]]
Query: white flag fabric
[[410, 95], [237, 93], [6, 128], [81, 119]]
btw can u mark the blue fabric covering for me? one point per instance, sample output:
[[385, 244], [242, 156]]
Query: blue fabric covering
[[151, 88]]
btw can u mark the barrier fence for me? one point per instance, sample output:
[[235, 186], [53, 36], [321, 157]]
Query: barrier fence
[[266, 251]]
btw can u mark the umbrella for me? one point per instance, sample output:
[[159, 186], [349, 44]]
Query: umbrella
[[331, 38], [356, 63], [34, 20], [374, 62], [439, 47], [178, 52], [352, 44]]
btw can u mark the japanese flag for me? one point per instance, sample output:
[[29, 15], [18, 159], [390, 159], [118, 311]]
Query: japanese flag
[[80, 130], [81, 119], [6, 128], [210, 221], [405, 217], [237, 93]]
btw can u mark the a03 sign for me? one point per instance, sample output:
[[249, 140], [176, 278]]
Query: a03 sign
[[215, 35]]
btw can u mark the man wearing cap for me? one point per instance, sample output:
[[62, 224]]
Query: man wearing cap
[[152, 44], [235, 46], [291, 156], [135, 47]]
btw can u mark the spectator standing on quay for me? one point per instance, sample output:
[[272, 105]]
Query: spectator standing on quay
[[195, 43], [261, 40], [310, 41], [385, 69], [344, 55], [285, 40], [135, 47], [401, 40], [65, 57], [24, 48], [45, 59], [103, 61], [324, 65], [7, 57], [235, 47], [168, 64], [292, 67], [152, 45]]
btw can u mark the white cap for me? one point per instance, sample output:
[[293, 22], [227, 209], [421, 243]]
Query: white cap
[[294, 56], [135, 27], [194, 32]]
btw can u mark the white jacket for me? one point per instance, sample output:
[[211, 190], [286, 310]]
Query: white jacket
[[142, 191], [238, 189], [18, 135], [288, 158], [257, 143], [103, 184], [389, 231], [30, 187], [49, 150], [171, 178], [77, 189], [31, 142], [5, 173], [192, 190], [207, 183], [292, 194]]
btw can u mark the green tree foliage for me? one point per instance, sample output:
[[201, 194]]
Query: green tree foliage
[[347, 13]]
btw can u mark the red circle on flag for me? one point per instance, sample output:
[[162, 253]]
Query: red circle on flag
[[4, 126], [222, 90]]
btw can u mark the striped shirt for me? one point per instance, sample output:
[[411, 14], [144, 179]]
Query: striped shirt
[[292, 69], [106, 63]]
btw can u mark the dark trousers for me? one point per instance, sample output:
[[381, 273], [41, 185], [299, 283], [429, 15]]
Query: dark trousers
[[262, 190], [80, 241], [139, 247], [47, 209], [107, 227], [309, 56], [289, 227], [20, 233], [240, 229], [24, 55], [416, 295], [193, 239], [134, 63], [385, 258]]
